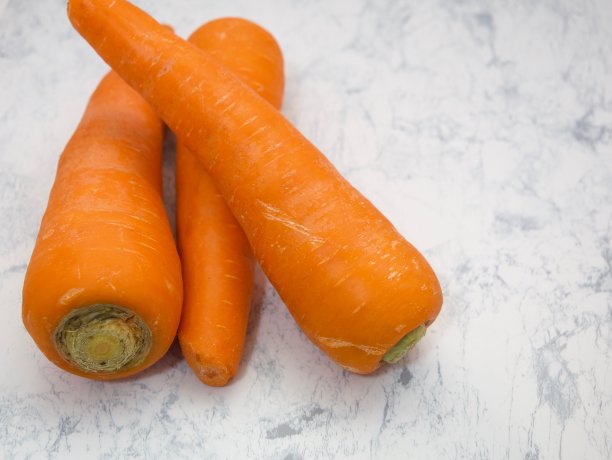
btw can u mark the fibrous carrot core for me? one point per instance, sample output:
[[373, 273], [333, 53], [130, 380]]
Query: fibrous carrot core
[[103, 338], [404, 345]]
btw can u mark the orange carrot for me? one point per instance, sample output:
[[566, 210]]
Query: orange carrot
[[103, 290], [358, 290], [215, 254]]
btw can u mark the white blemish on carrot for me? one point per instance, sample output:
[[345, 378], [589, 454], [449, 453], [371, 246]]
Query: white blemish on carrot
[[165, 69], [328, 258], [130, 251], [141, 219], [272, 147], [249, 121], [222, 99], [47, 234], [271, 213], [153, 248], [339, 343], [69, 295], [259, 130], [342, 280]]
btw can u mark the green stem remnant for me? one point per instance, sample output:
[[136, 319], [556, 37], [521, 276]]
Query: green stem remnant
[[103, 338], [404, 345]]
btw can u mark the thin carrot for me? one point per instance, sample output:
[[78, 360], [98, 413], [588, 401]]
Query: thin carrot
[[215, 254], [356, 287], [102, 293]]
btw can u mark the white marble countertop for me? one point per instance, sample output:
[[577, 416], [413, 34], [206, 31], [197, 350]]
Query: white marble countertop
[[482, 129]]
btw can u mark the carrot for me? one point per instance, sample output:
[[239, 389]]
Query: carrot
[[103, 290], [355, 286], [215, 254]]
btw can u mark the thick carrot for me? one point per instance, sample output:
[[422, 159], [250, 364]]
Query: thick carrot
[[103, 290], [358, 290], [215, 254]]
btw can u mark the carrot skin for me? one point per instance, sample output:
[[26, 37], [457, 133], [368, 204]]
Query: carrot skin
[[104, 238], [217, 275], [216, 257], [354, 285]]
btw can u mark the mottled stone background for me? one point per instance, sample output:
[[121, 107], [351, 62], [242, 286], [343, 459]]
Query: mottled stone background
[[482, 129]]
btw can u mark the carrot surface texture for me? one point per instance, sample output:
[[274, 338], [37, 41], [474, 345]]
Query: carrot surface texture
[[215, 254], [103, 291], [355, 286]]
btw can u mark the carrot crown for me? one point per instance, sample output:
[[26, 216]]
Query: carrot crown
[[103, 338]]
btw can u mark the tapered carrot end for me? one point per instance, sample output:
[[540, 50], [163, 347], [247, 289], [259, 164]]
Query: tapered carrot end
[[76, 8], [211, 373], [214, 376], [247, 49]]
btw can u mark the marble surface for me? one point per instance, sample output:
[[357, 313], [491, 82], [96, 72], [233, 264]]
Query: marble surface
[[482, 129]]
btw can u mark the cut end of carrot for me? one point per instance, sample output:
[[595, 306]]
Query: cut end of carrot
[[404, 345], [103, 338]]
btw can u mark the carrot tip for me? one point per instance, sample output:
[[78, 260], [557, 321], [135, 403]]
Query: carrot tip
[[212, 375], [404, 345], [103, 338]]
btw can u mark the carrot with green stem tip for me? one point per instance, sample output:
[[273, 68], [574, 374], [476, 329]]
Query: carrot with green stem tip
[[355, 286], [102, 293], [215, 254]]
